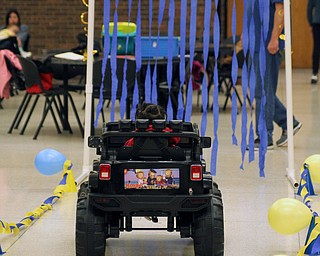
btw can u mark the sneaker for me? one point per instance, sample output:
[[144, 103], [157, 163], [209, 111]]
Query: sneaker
[[284, 136], [25, 54], [257, 145], [314, 79]]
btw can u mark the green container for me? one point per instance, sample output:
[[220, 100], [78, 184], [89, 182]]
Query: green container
[[125, 30]]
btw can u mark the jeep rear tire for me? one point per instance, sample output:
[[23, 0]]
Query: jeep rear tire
[[208, 232], [90, 230]]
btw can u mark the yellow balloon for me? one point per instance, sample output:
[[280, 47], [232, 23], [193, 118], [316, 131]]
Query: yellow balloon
[[314, 167], [288, 216]]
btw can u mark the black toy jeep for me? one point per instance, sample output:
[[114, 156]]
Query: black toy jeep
[[149, 178]]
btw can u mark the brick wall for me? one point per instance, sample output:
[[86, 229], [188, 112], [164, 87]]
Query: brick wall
[[54, 24]]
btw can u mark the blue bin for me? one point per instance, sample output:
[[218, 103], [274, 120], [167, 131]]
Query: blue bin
[[154, 47]]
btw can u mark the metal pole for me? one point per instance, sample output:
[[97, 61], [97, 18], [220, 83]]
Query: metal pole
[[288, 61], [87, 167]]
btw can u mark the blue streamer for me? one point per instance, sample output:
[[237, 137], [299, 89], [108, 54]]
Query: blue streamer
[[148, 84], [135, 99], [216, 42], [244, 112], [206, 41], [305, 175], [123, 99], [162, 4], [170, 54], [192, 41], [113, 62], [252, 79], [266, 18], [262, 121], [182, 70], [106, 20], [245, 45], [154, 96], [234, 75], [1, 252], [314, 247]]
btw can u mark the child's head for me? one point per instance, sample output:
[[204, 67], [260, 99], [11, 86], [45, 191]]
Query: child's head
[[13, 28], [150, 111]]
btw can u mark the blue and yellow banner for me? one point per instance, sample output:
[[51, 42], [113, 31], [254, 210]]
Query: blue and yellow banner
[[67, 184]]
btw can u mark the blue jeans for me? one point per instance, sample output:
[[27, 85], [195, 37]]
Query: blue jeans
[[274, 109]]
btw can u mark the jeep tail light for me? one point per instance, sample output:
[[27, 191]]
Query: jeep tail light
[[196, 172], [105, 172]]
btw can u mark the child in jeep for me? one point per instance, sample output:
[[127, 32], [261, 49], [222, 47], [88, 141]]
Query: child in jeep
[[151, 111]]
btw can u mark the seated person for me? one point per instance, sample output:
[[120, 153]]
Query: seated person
[[151, 111], [13, 18], [11, 31]]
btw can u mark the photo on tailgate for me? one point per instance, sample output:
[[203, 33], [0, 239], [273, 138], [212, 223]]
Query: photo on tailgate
[[160, 178]]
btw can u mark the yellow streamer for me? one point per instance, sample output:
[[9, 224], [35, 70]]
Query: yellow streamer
[[304, 193], [70, 186]]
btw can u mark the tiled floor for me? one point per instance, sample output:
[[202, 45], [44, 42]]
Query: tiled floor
[[246, 196]]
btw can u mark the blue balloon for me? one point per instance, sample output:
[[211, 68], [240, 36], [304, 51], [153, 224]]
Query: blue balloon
[[49, 161]]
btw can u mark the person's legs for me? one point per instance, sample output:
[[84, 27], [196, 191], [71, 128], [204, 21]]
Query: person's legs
[[270, 85], [316, 49], [280, 111], [280, 117], [258, 90]]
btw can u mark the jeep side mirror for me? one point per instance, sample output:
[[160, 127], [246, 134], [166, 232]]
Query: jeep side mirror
[[205, 142]]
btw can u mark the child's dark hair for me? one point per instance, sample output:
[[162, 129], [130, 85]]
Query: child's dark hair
[[150, 111]]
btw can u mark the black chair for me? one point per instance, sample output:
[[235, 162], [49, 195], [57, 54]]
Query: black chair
[[225, 70], [97, 81], [32, 77], [11, 44], [73, 72]]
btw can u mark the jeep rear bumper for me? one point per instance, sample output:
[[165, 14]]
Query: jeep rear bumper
[[140, 204]]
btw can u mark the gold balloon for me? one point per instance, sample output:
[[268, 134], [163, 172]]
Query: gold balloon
[[82, 17], [314, 167], [288, 216], [85, 3]]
